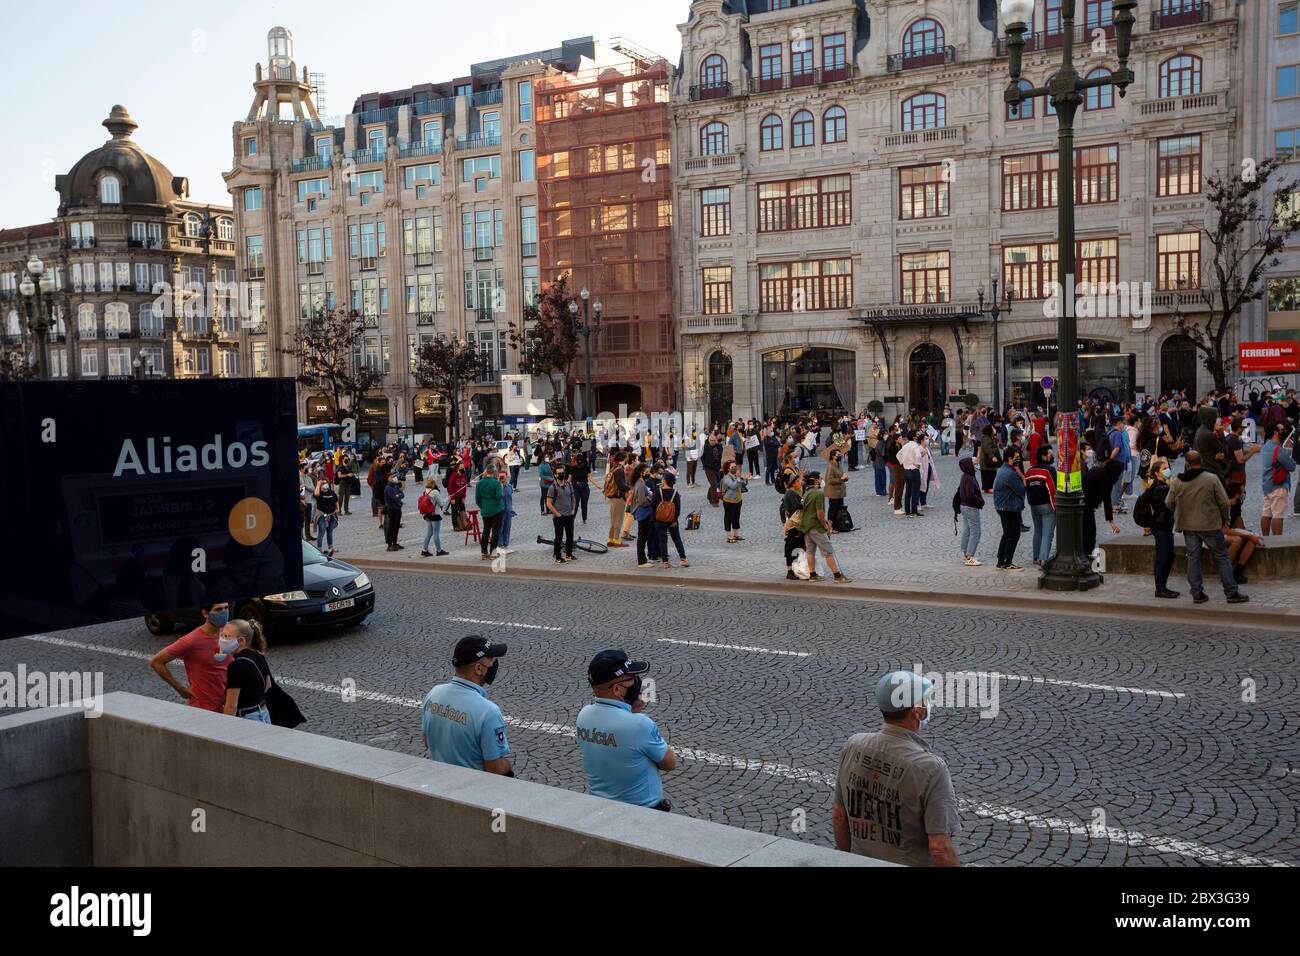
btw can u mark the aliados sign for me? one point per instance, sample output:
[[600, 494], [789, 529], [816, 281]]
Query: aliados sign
[[1269, 357], [214, 456]]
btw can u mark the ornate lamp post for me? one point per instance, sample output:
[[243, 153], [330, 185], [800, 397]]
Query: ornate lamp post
[[995, 312], [1068, 569], [586, 328], [39, 309]]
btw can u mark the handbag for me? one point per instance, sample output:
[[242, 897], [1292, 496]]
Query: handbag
[[693, 521], [284, 710]]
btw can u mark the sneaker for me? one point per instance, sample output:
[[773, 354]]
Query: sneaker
[[559, 560], [791, 576], [843, 579], [898, 513], [976, 563], [425, 554], [1013, 567], [644, 567], [1167, 594], [1200, 598], [667, 566], [814, 577], [1238, 598], [684, 563], [444, 554]]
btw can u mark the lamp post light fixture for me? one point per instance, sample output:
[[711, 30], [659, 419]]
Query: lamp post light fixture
[[1069, 569], [39, 309], [995, 312], [586, 328]]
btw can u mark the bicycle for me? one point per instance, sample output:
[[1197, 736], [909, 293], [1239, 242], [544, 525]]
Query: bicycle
[[581, 544]]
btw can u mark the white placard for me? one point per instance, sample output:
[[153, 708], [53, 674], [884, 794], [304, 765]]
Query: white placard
[[751, 442], [860, 435]]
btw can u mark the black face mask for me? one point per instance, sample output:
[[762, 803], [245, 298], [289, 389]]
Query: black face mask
[[491, 675], [633, 692]]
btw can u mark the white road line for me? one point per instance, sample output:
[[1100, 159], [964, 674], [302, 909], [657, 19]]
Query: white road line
[[735, 647], [1009, 815], [522, 627], [1109, 688]]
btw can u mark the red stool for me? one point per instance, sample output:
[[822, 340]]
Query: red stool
[[472, 529]]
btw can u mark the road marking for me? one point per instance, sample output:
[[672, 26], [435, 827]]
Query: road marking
[[523, 627], [1110, 688], [1008, 815], [735, 647]]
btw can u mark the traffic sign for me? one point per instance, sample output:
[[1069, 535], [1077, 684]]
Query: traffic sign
[[1048, 383]]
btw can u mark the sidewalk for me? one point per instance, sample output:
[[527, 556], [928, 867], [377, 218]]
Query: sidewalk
[[888, 558]]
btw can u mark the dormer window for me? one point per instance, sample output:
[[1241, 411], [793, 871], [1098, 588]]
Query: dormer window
[[110, 190]]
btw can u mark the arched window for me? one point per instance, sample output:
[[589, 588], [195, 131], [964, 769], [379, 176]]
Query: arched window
[[86, 321], [1180, 76], [1178, 365], [721, 388], [802, 131], [110, 190], [117, 319], [226, 229], [924, 111], [771, 133], [1025, 110], [715, 139], [928, 377], [713, 71], [193, 226], [12, 327], [835, 125], [1099, 97], [922, 38]]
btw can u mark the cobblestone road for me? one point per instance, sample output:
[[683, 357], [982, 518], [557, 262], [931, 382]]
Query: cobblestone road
[[1111, 744]]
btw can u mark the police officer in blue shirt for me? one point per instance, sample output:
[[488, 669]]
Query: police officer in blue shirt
[[461, 726], [622, 752]]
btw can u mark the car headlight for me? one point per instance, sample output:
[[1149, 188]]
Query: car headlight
[[362, 581], [286, 597]]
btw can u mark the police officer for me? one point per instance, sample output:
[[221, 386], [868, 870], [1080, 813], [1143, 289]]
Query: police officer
[[622, 752], [893, 797], [461, 726]]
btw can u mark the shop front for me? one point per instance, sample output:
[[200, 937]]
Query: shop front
[[321, 411], [809, 381], [487, 415], [1104, 372], [374, 419], [428, 416]]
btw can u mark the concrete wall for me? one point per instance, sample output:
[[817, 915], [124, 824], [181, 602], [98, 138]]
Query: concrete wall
[[131, 787]]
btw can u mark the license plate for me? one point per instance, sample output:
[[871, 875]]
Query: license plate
[[340, 605]]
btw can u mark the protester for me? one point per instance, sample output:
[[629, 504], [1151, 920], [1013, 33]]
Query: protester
[[1279, 465], [1098, 484], [327, 505], [246, 686], [1151, 512], [433, 502], [817, 530], [393, 498], [1040, 492], [971, 504], [1009, 500], [668, 513], [205, 666], [733, 487], [491, 506], [560, 502], [1201, 510]]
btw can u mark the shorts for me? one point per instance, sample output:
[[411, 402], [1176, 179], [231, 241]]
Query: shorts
[[1277, 504], [821, 541]]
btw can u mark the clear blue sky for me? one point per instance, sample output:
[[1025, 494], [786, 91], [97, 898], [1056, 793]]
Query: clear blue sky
[[184, 68]]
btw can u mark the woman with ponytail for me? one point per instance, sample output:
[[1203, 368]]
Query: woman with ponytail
[[248, 677]]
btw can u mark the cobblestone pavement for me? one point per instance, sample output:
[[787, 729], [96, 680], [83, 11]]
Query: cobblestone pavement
[[885, 550], [1112, 743]]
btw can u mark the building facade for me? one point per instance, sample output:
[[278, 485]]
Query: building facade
[[849, 179], [17, 247], [145, 272], [418, 210]]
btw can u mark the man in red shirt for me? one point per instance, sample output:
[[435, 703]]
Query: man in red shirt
[[205, 665]]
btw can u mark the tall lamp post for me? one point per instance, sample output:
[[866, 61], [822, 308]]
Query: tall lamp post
[[995, 312], [586, 328], [1069, 569], [39, 309]]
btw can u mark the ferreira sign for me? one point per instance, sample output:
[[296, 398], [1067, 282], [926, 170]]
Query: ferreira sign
[[135, 497]]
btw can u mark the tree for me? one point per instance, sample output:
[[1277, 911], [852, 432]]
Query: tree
[[446, 369], [325, 346], [1246, 233], [549, 346], [15, 364]]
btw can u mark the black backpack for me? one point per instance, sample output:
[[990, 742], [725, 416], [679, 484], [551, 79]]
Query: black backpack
[[843, 522], [780, 482], [1144, 512]]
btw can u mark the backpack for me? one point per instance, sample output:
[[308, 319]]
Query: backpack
[[611, 485], [1144, 466], [425, 504], [666, 512], [843, 522], [1279, 473], [1144, 512], [780, 483]]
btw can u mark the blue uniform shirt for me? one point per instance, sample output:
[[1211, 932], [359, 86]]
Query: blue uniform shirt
[[620, 753], [463, 727]]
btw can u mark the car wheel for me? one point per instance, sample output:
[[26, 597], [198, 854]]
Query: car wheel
[[253, 612], [159, 625]]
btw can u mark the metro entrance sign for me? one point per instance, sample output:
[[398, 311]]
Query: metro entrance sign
[[134, 497]]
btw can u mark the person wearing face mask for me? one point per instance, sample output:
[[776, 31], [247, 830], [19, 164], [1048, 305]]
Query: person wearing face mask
[[248, 677], [894, 798], [1040, 493], [205, 663], [393, 498], [622, 750], [1151, 512], [460, 725]]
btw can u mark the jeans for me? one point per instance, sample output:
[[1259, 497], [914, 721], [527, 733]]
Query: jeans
[[1089, 531], [392, 524], [507, 517], [563, 535], [327, 524], [1010, 538], [912, 490], [879, 469], [1164, 557], [514, 477], [545, 489], [1044, 530], [1219, 548], [971, 529], [943, 444], [432, 532], [490, 534], [769, 474], [1117, 493], [647, 541], [665, 531], [259, 714], [582, 491]]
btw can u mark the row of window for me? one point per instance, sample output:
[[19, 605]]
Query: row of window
[[925, 278], [81, 235]]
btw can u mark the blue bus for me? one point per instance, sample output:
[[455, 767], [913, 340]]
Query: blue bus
[[318, 438]]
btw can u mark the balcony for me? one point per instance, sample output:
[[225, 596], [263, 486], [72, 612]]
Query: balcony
[[87, 333], [254, 273], [486, 98], [369, 263], [150, 243], [899, 62], [722, 161], [315, 268], [439, 107], [490, 377], [478, 141], [946, 134], [387, 115], [425, 318], [143, 287], [310, 164], [1192, 13], [151, 332], [1197, 299], [711, 91], [1201, 102], [368, 155], [707, 324], [423, 259], [1054, 39], [791, 81], [484, 316], [420, 149], [528, 249], [85, 243], [483, 253]]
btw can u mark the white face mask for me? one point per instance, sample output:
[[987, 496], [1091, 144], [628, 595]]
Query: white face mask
[[226, 646], [929, 716]]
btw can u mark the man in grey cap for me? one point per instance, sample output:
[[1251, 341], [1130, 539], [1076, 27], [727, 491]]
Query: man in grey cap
[[894, 799]]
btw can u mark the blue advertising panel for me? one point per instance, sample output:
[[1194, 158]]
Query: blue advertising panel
[[134, 497]]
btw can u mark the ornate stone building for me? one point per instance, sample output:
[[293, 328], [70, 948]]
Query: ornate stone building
[[849, 177]]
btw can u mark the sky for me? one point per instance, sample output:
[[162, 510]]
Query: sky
[[184, 69]]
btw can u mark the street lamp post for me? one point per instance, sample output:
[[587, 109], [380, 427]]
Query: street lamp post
[[1069, 569], [995, 312], [586, 329], [39, 309]]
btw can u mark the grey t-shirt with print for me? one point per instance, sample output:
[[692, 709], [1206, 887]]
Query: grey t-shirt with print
[[896, 793], [563, 498]]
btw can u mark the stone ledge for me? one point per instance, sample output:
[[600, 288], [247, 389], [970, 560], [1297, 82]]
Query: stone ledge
[[1135, 554]]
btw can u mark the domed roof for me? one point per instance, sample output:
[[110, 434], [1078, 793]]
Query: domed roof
[[144, 180]]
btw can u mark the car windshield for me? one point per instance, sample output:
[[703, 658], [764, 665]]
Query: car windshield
[[311, 556]]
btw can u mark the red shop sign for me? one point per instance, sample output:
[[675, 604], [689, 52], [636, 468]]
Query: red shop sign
[[1269, 357]]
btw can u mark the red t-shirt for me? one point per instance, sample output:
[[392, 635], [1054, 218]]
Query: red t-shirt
[[207, 676]]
